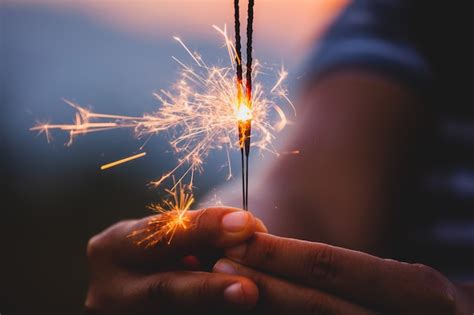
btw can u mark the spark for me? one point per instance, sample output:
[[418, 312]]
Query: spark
[[282, 76], [293, 152], [171, 217], [199, 114], [125, 160]]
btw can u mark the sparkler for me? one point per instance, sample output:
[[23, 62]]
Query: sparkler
[[199, 114], [245, 105]]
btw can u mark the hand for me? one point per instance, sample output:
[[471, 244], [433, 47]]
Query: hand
[[299, 277], [127, 279]]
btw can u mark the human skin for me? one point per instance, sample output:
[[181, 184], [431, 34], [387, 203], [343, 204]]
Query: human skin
[[262, 274], [337, 191], [129, 279], [300, 277], [354, 130]]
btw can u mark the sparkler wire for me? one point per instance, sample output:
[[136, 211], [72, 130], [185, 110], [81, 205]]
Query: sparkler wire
[[244, 127], [238, 46], [251, 5], [249, 49], [238, 61]]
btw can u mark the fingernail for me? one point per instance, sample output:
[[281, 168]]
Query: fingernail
[[234, 294], [237, 252], [235, 221], [224, 267]]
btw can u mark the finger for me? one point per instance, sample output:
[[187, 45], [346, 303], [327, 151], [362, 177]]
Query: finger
[[207, 228], [260, 226], [278, 296], [356, 276], [176, 293]]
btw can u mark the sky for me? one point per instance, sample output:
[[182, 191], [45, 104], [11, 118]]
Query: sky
[[286, 25]]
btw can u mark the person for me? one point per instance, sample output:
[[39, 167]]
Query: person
[[385, 170]]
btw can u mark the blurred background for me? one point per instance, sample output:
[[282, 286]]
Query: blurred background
[[110, 55]]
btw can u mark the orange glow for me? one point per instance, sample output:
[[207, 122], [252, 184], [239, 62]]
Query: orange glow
[[171, 217]]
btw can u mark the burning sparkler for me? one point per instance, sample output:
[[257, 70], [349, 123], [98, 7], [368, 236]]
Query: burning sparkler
[[245, 105], [200, 114]]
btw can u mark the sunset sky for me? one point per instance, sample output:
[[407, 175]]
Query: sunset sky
[[285, 25]]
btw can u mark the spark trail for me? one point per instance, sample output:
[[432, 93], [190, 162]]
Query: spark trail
[[171, 217], [199, 115]]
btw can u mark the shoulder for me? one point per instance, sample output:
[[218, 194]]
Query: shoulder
[[379, 35]]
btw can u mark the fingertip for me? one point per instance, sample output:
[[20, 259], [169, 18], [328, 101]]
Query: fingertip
[[243, 294], [251, 293], [221, 227], [236, 227], [224, 266], [260, 226], [237, 222]]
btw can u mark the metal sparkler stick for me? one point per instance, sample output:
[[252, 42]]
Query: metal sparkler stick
[[248, 128], [244, 126]]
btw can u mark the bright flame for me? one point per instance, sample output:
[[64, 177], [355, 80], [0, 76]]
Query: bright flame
[[244, 112]]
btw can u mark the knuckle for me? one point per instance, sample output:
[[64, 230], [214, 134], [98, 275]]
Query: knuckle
[[427, 272], [203, 288], [96, 302], [319, 264], [94, 246], [159, 291], [430, 276], [119, 227], [205, 228], [201, 221], [268, 251], [207, 222], [320, 305], [98, 243], [442, 291], [90, 302]]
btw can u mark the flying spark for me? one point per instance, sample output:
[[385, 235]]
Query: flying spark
[[125, 160], [200, 114], [171, 217]]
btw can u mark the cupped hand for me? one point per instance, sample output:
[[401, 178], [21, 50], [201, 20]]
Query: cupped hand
[[128, 279], [299, 277]]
